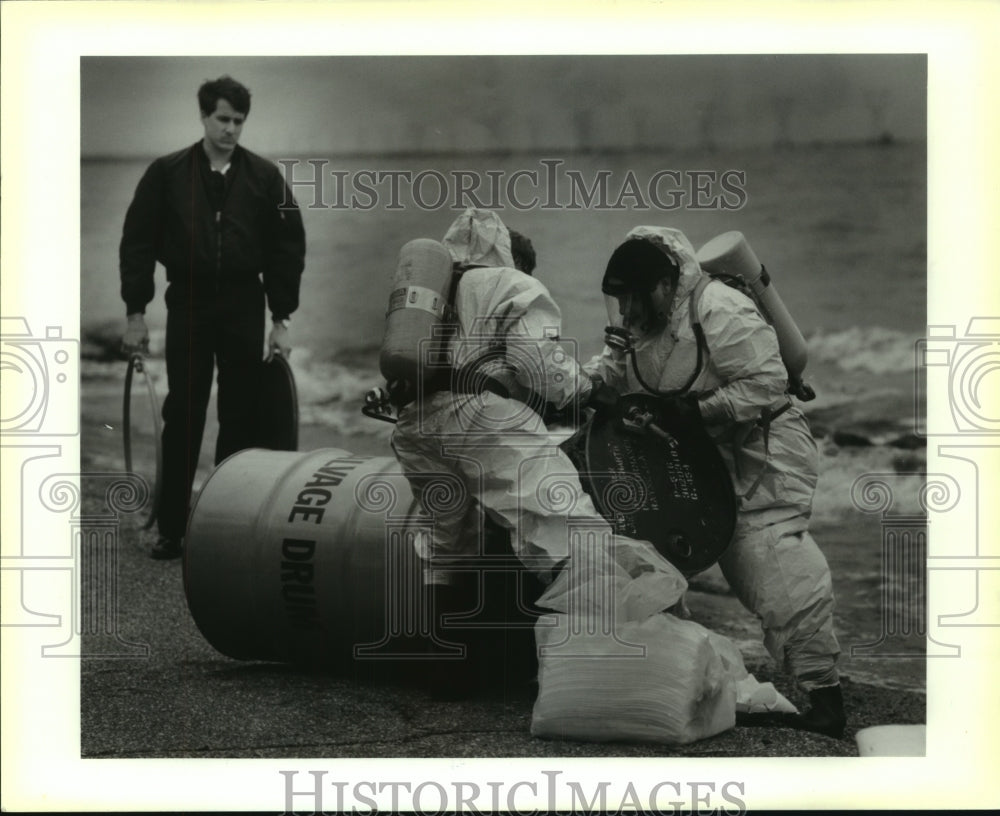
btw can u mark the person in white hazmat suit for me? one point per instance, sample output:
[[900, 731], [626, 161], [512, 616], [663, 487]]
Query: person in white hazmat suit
[[493, 441], [773, 564]]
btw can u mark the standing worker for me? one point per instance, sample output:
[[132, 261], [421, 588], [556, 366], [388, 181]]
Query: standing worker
[[729, 373], [226, 228]]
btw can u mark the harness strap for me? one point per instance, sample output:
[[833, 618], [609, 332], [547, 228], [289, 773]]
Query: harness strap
[[699, 333], [701, 344], [767, 416]]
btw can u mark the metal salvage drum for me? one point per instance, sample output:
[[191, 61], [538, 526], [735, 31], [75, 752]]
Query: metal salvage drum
[[305, 557]]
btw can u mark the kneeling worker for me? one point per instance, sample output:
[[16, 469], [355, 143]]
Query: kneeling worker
[[491, 439]]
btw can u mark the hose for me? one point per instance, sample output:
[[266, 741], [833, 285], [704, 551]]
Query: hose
[[137, 363]]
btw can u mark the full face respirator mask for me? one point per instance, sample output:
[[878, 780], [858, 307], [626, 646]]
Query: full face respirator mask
[[633, 293]]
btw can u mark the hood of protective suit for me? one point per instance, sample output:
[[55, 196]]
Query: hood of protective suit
[[479, 238], [676, 246]]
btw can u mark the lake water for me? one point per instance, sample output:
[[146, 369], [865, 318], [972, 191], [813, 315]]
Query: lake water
[[841, 229]]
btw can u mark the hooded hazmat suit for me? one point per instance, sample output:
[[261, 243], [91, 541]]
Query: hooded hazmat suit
[[773, 564], [508, 464]]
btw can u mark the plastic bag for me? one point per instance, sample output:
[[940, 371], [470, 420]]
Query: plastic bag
[[672, 686], [625, 577], [612, 665], [752, 696]]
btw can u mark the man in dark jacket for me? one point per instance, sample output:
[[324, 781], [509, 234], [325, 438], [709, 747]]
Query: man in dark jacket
[[226, 228]]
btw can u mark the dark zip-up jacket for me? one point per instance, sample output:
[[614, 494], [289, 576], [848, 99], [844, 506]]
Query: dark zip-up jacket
[[256, 234]]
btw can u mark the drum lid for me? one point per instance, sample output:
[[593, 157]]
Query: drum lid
[[278, 406], [668, 486]]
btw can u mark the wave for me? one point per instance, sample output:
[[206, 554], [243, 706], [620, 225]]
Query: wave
[[332, 391], [862, 375], [870, 349], [855, 436]]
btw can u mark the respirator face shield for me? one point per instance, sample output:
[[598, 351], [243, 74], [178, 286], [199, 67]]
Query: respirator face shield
[[638, 313], [638, 288]]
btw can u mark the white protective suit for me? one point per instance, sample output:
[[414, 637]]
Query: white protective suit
[[773, 564], [508, 463]]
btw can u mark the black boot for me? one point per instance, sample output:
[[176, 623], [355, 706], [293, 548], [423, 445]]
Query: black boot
[[826, 712], [825, 715]]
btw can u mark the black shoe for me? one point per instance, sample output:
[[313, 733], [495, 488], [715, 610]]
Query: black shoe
[[167, 548], [826, 712], [825, 715]]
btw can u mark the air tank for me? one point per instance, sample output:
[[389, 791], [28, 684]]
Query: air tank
[[416, 305], [731, 254]]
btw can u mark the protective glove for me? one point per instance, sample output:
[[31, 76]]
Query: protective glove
[[136, 337], [683, 407], [603, 398]]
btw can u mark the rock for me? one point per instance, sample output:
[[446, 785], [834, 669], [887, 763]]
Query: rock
[[908, 441], [848, 439]]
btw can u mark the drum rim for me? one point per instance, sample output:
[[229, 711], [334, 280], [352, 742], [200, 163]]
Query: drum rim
[[282, 363]]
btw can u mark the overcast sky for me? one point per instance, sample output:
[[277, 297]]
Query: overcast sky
[[146, 106]]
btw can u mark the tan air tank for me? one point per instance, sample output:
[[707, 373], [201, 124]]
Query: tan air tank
[[730, 254], [417, 305]]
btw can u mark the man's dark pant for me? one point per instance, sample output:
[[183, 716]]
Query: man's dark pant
[[228, 333]]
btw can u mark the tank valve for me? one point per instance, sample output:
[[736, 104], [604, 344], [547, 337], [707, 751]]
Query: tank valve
[[378, 405], [617, 339]]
